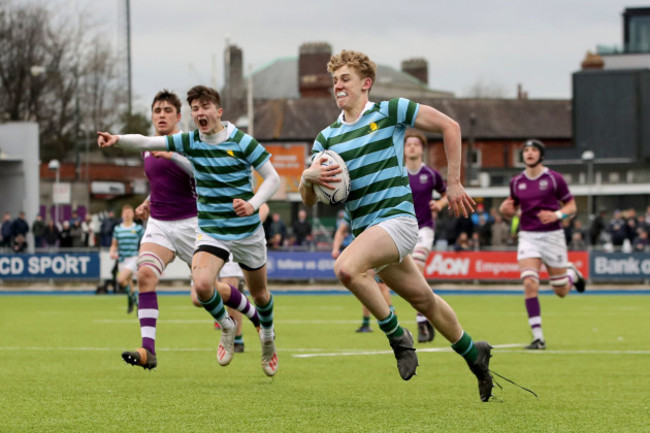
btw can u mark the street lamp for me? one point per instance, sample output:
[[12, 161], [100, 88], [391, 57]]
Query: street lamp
[[588, 156], [55, 166]]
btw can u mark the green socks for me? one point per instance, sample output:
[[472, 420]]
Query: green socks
[[391, 326], [465, 347]]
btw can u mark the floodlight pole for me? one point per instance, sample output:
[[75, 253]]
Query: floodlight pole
[[128, 55], [588, 156]]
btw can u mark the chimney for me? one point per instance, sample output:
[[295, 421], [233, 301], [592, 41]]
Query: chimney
[[313, 79], [234, 92], [521, 93], [418, 68], [592, 61]]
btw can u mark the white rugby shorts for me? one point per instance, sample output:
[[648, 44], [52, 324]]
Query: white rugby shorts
[[178, 236], [130, 263], [249, 251], [231, 269], [404, 232], [548, 246]]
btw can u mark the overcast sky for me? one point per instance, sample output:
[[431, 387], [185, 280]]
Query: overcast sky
[[499, 43]]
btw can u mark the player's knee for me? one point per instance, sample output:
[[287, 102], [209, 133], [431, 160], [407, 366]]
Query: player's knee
[[147, 278], [204, 289], [344, 277], [261, 297], [123, 279], [560, 285], [342, 272], [150, 268], [530, 278]]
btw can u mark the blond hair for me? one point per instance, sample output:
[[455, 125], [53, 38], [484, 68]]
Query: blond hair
[[357, 60]]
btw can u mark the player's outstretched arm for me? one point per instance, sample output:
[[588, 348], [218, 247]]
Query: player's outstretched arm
[[106, 139], [430, 119], [132, 141]]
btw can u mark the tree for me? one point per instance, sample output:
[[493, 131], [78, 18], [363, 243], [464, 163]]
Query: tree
[[56, 69], [23, 36], [135, 123]]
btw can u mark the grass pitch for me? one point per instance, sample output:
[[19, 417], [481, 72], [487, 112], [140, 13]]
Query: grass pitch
[[61, 370]]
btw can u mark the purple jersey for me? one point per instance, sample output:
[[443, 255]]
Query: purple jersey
[[545, 192], [423, 183], [173, 196]]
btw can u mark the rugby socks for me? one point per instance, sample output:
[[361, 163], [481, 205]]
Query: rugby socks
[[535, 317], [240, 302], [391, 327], [465, 347], [216, 309], [148, 316], [365, 321], [266, 319], [239, 339]]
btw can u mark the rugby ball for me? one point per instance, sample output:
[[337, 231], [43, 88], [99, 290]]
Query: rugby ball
[[339, 194]]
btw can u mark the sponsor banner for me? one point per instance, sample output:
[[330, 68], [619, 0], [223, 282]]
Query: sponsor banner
[[620, 266], [55, 266], [289, 161], [486, 265], [300, 265]]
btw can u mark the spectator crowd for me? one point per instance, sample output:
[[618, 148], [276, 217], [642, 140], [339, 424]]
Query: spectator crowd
[[75, 232], [625, 231]]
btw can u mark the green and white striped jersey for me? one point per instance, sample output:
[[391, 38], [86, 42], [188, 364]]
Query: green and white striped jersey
[[373, 150], [128, 240], [222, 172]]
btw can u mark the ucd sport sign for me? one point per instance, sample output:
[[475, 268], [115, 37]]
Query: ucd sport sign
[[66, 265]]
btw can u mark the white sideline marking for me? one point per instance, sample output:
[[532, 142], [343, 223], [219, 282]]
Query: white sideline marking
[[383, 352], [496, 346]]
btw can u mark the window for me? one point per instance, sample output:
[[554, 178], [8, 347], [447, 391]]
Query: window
[[476, 158]]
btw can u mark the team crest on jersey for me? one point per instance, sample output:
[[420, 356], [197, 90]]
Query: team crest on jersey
[[522, 186], [543, 184], [230, 152], [373, 127], [424, 178]]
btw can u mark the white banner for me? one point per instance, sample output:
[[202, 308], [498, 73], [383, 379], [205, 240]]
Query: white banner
[[61, 193]]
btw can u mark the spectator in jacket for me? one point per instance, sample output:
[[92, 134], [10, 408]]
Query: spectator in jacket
[[38, 230]]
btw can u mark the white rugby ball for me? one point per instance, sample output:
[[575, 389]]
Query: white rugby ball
[[339, 194]]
